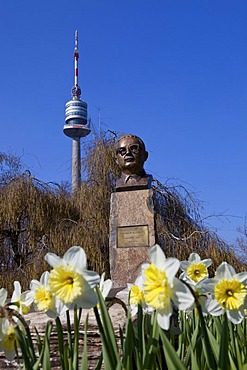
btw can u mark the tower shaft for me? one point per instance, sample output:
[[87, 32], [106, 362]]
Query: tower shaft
[[76, 164]]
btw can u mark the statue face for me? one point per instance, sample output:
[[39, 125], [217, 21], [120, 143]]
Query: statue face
[[130, 155]]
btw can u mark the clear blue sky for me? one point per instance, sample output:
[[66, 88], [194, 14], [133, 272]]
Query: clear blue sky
[[173, 72]]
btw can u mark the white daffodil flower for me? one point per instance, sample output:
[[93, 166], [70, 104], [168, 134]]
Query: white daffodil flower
[[228, 293], [194, 269], [70, 281], [136, 297], [8, 340], [44, 300], [161, 287], [21, 300], [105, 286]]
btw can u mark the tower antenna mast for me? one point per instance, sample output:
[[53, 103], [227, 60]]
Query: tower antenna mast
[[76, 122]]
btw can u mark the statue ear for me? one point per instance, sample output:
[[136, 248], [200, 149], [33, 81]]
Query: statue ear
[[146, 155]]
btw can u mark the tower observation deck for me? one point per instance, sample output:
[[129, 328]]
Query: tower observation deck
[[76, 123]]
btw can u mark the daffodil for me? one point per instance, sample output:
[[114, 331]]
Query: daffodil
[[162, 288], [8, 340], [136, 297], [228, 293], [44, 300], [195, 269], [70, 281], [105, 286], [21, 300]]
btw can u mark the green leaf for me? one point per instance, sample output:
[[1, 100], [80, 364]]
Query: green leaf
[[76, 339], [223, 357], [109, 345], [61, 343], [46, 363], [152, 343], [84, 362], [23, 345], [171, 356], [205, 340], [128, 345]]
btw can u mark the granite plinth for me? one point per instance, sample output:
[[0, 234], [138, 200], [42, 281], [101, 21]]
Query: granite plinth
[[131, 234]]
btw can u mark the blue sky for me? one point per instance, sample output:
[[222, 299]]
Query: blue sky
[[172, 72]]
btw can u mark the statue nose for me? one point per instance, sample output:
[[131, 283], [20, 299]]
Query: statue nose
[[128, 151]]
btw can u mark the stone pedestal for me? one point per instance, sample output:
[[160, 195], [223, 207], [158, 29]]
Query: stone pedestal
[[131, 234]]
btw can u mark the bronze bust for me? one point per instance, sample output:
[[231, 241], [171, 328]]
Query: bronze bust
[[130, 157]]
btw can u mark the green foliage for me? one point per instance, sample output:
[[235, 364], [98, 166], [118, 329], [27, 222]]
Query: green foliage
[[36, 217], [201, 343]]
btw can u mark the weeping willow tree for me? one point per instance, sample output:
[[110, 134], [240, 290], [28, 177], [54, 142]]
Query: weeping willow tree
[[36, 218]]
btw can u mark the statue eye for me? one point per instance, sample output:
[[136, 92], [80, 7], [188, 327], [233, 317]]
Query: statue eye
[[121, 151], [134, 148]]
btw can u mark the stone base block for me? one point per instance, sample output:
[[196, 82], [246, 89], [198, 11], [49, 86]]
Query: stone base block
[[131, 234]]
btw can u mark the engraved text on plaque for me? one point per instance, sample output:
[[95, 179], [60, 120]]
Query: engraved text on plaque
[[132, 236]]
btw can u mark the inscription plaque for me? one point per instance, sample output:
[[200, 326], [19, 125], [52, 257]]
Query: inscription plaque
[[132, 236]]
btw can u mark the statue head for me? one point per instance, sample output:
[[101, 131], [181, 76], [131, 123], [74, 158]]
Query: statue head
[[131, 154]]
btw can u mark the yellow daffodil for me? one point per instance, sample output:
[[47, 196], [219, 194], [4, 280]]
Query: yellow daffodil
[[162, 288], [8, 340], [44, 300], [70, 281], [195, 269], [136, 297], [228, 293]]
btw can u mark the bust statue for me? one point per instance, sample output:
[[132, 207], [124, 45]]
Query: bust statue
[[130, 157]]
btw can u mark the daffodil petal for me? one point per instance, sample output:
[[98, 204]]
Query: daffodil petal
[[225, 271], [53, 259], [157, 256], [34, 284], [163, 317], [184, 265], [101, 283], [10, 355], [139, 281], [17, 292], [208, 285], [76, 258], [182, 296], [235, 316], [134, 309], [91, 278], [27, 298], [87, 300], [171, 267], [106, 287], [194, 257], [60, 309], [3, 296], [242, 276], [213, 307], [207, 262], [45, 278]]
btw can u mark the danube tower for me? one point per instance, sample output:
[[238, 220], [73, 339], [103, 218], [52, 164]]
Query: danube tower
[[76, 123]]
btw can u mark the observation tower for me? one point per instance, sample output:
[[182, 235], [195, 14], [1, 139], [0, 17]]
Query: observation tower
[[76, 122]]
